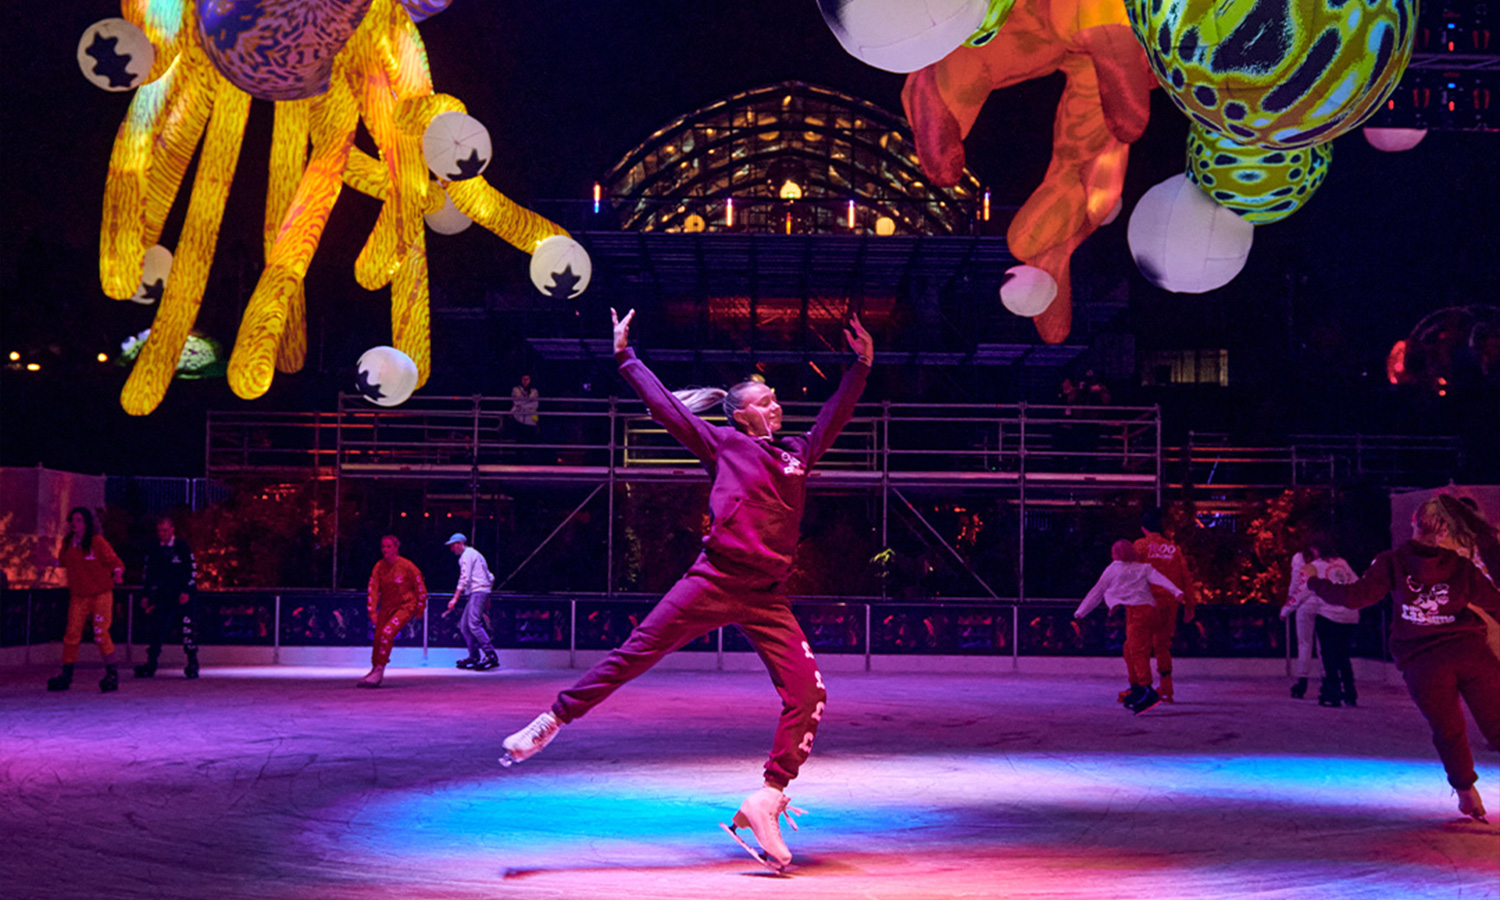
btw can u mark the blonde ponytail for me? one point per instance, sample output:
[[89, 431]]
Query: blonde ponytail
[[701, 399]]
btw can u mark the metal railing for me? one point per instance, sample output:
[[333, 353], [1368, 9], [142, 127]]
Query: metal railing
[[861, 626]]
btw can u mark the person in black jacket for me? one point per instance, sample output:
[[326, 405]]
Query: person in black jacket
[[171, 585]]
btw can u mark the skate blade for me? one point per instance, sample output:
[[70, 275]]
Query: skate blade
[[506, 760], [760, 855], [1137, 710]]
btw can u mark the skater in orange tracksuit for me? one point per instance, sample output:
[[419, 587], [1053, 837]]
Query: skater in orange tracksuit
[[1167, 558], [93, 571], [1130, 583], [397, 595]]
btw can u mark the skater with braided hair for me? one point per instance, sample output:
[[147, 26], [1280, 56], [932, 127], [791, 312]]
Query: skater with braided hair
[[1436, 639], [755, 503]]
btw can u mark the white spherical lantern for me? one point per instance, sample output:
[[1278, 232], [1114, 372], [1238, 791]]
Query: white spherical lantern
[[386, 376], [456, 146], [560, 267], [1028, 291], [447, 220], [902, 35], [1394, 140], [158, 265], [115, 55], [1185, 242]]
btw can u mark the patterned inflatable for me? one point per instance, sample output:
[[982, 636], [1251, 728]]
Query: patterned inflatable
[[1262, 185], [1276, 73]]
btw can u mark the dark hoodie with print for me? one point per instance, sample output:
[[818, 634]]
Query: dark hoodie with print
[[1432, 589], [759, 486]]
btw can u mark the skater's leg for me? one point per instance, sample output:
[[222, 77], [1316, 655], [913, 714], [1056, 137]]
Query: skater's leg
[[388, 624], [1162, 634], [696, 605], [778, 639], [1479, 684], [1434, 688], [1341, 639], [188, 614], [101, 616], [1140, 623], [473, 623], [1306, 617], [78, 615]]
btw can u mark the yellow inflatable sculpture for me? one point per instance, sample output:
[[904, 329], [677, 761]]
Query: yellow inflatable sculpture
[[328, 65]]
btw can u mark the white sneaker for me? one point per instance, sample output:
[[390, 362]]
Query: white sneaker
[[761, 813], [1470, 804], [529, 741]]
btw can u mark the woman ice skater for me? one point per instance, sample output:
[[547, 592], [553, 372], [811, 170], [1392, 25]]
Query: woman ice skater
[[755, 503], [1436, 639]]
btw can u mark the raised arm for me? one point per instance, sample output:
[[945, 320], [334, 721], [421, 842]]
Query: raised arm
[[1096, 593], [836, 413], [1163, 582], [686, 426]]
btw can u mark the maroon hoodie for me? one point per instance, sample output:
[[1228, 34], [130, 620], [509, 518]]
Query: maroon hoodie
[[1432, 589], [759, 486]]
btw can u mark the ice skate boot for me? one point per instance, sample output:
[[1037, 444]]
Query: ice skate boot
[[190, 671], [111, 680], [1148, 700], [1470, 805], [761, 813], [489, 661], [1329, 694], [468, 662], [146, 669], [62, 680], [1165, 690], [1299, 689], [529, 741], [1124, 696], [1133, 696]]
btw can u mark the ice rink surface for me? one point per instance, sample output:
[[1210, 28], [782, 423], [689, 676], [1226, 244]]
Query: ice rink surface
[[277, 783]]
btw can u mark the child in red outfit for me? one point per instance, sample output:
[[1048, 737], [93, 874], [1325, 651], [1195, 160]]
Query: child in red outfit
[[1436, 639], [755, 503], [397, 595]]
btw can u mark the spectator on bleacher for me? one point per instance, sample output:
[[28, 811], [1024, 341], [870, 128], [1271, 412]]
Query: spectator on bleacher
[[524, 420]]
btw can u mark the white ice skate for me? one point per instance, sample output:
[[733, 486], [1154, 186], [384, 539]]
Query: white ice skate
[[1470, 804], [761, 813], [529, 741]]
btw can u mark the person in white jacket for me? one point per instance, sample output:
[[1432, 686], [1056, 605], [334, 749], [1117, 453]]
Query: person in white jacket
[[1335, 625], [1127, 582], [1302, 604]]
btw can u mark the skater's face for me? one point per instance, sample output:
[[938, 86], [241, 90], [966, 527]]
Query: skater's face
[[457, 547], [759, 412], [77, 523], [164, 532], [389, 549]]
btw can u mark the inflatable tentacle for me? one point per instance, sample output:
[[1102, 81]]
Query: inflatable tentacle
[[334, 117], [289, 142], [157, 362]]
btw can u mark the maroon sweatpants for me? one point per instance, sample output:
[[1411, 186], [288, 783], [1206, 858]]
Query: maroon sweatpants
[[703, 600], [1437, 679]]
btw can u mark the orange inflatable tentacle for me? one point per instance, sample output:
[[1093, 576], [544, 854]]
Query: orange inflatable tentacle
[[182, 127], [123, 228]]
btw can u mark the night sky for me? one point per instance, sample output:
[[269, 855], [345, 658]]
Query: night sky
[[566, 89]]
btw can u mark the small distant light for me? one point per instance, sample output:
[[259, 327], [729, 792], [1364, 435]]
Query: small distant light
[[598, 195], [728, 212], [403, 513], [885, 226], [986, 204], [14, 356], [33, 367], [103, 357], [851, 213], [791, 190]]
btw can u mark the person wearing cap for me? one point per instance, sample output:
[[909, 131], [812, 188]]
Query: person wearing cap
[[474, 579]]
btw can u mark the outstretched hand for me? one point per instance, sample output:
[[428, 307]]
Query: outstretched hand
[[859, 340], [622, 328]]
